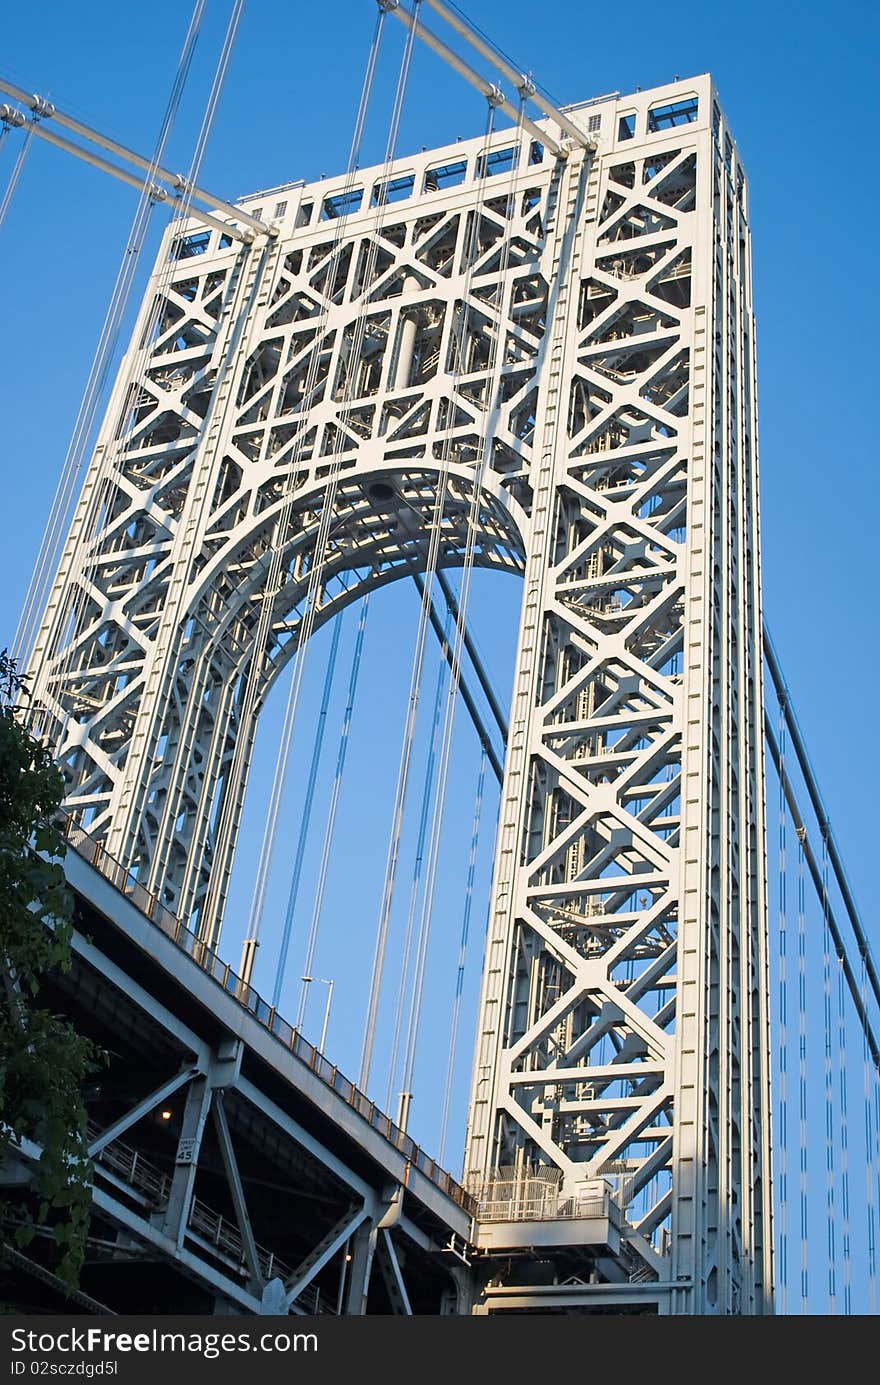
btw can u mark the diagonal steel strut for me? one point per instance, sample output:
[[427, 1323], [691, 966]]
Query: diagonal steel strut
[[466, 694], [179, 186]]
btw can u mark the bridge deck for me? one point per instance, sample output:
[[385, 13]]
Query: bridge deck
[[237, 1169], [318, 1164]]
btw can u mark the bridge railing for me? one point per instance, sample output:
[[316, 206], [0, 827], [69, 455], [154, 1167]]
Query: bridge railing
[[189, 942], [534, 1199], [212, 1227]]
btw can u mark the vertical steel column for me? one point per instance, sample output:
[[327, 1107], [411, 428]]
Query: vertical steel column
[[362, 1249], [195, 1113], [622, 1037]]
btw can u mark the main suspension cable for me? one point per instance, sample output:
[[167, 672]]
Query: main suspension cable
[[467, 696], [470, 645], [875, 1178]]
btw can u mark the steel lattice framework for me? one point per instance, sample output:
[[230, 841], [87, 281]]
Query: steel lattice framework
[[573, 337]]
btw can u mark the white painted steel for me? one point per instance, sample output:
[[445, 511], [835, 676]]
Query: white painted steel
[[623, 1030]]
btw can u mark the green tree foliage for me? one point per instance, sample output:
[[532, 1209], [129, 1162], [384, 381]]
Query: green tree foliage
[[43, 1061]]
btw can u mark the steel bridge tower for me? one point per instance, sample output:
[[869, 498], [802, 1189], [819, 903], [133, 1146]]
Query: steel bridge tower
[[567, 336]]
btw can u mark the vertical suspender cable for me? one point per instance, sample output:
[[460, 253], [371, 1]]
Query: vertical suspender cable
[[802, 1074], [461, 620], [471, 239], [226, 825], [400, 795], [875, 1184], [179, 763], [783, 1029], [216, 90], [417, 868], [306, 818], [828, 1074], [393, 855], [843, 1079], [815, 798], [875, 1179], [48, 556], [462, 954], [103, 490], [103, 493], [17, 167], [869, 1072], [327, 511], [837, 1151], [864, 1016], [331, 813]]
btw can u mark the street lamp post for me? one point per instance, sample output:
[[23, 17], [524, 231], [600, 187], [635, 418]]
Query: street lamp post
[[329, 984]]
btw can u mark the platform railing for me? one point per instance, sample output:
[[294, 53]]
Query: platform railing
[[154, 1186], [534, 1199]]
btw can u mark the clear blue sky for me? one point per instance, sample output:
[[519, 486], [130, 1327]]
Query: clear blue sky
[[799, 85]]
